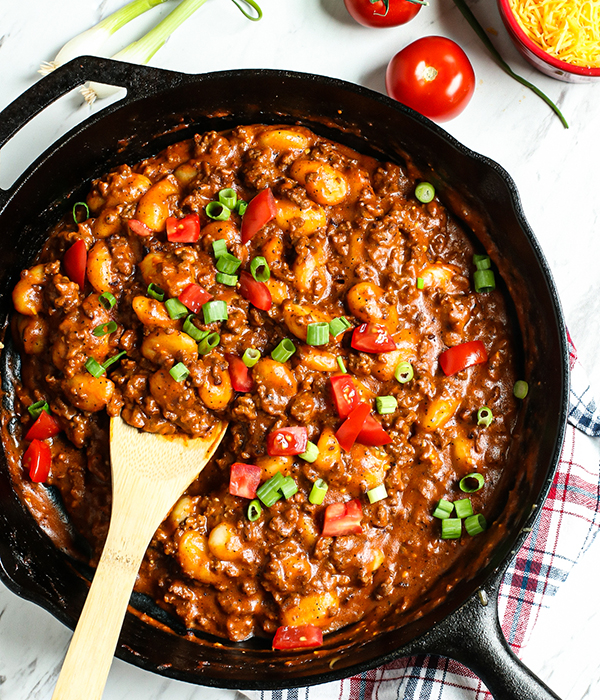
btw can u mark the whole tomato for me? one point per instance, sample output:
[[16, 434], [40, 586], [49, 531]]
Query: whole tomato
[[433, 76], [382, 13]]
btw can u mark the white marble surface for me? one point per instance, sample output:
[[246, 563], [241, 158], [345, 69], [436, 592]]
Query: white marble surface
[[556, 171]]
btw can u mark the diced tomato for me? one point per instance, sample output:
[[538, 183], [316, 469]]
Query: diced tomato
[[257, 293], [194, 297], [370, 337], [372, 433], [261, 209], [344, 394], [45, 426], [241, 380], [185, 230], [37, 460], [287, 441], [461, 356], [244, 479], [139, 228], [74, 261], [348, 431], [301, 637], [343, 519]]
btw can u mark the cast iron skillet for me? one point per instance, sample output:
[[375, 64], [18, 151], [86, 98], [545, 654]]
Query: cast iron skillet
[[162, 107]]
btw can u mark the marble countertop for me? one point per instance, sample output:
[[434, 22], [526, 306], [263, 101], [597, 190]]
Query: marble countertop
[[555, 169]]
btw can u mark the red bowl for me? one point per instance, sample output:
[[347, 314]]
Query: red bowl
[[540, 59]]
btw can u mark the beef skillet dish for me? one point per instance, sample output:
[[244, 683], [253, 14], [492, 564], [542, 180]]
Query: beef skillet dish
[[334, 312]]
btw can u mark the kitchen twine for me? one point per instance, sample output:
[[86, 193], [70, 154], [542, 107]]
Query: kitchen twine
[[567, 526]]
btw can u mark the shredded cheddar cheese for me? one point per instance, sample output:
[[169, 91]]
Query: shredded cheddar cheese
[[566, 29]]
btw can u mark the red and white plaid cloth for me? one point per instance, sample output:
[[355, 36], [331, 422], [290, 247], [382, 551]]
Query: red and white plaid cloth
[[569, 521]]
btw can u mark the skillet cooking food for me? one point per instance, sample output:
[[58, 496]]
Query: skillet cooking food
[[334, 312]]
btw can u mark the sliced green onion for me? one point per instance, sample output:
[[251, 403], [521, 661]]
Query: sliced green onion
[[317, 493], [288, 487], [425, 192], [228, 263], [107, 300], [443, 509], [484, 281], [215, 310], [484, 416], [521, 389], [377, 494], [338, 326], [219, 247], [179, 372], [240, 207], [283, 351], [475, 524], [451, 528], [259, 267], [208, 343], [463, 508], [229, 280], [192, 329], [250, 357], [471, 483], [155, 292], [386, 404], [36, 408], [105, 329], [115, 358], [254, 510], [311, 453], [228, 197], [94, 367], [317, 333], [270, 492], [404, 372], [217, 211], [482, 262], [341, 365], [420, 283], [87, 211], [176, 309]]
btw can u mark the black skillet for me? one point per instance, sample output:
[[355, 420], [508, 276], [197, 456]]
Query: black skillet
[[161, 107]]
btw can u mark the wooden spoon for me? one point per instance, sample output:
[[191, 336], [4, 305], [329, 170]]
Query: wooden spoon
[[149, 474]]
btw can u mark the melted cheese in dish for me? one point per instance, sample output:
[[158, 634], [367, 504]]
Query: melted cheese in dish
[[566, 29]]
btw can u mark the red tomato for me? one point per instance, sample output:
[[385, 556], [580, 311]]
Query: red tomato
[[244, 479], [369, 337], [348, 431], [372, 433], [460, 356], [139, 228], [239, 374], [261, 209], [344, 394], [75, 260], [382, 13], [45, 426], [343, 519], [287, 441], [186, 230], [36, 460], [257, 293], [194, 297], [433, 76], [301, 637]]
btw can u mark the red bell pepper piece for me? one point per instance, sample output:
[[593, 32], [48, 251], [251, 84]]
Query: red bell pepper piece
[[344, 394], [372, 433], [261, 209], [194, 297], [185, 230], [300, 637], [287, 441], [139, 228], [45, 426], [75, 261], [348, 431], [257, 293], [37, 460], [343, 519], [241, 379], [244, 479], [371, 337], [461, 356]]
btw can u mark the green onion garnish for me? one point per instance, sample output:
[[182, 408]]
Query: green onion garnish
[[228, 263], [155, 292], [219, 247], [471, 483], [339, 325], [107, 300], [317, 333], [115, 358], [192, 329], [482, 261], [283, 351], [404, 372], [521, 389], [475, 524], [105, 329], [341, 365], [217, 211], [317, 493], [215, 310], [377, 494], [250, 357], [311, 453], [484, 281], [463, 508], [484, 416], [94, 367], [259, 267], [87, 212], [228, 197], [36, 408], [208, 343], [386, 404], [420, 283], [179, 372], [229, 280], [451, 528], [443, 509], [288, 487], [254, 510], [176, 309], [241, 207], [424, 192], [269, 492]]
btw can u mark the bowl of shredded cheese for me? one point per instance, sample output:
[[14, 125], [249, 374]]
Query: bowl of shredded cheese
[[561, 38]]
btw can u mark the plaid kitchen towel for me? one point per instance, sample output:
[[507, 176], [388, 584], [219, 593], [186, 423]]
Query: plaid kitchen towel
[[567, 525]]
